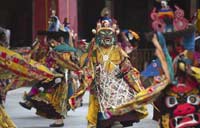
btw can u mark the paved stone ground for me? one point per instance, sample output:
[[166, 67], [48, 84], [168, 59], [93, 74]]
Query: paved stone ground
[[76, 119]]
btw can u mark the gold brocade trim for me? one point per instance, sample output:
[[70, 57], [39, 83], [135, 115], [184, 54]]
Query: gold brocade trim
[[57, 99], [5, 120], [115, 58], [198, 20], [133, 79], [64, 61], [147, 95]]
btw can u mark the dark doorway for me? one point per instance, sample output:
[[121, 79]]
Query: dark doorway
[[88, 14], [185, 5], [198, 4], [17, 16], [132, 14], [135, 15]]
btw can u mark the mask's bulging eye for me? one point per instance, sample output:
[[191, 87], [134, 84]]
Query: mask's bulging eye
[[130, 36], [171, 101], [193, 99], [102, 32], [106, 37], [110, 32]]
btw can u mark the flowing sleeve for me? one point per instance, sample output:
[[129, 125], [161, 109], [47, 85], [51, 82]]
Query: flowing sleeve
[[130, 73], [86, 78]]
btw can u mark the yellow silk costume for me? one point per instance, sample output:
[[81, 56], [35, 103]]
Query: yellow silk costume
[[198, 21], [116, 56], [116, 92], [56, 98]]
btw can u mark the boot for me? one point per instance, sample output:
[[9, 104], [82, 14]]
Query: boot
[[26, 104], [57, 123]]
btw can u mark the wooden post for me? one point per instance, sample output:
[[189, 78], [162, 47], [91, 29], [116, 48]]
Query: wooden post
[[41, 13]]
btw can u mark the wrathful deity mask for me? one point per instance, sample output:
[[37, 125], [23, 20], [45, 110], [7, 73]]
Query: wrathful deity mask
[[181, 107], [106, 37]]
